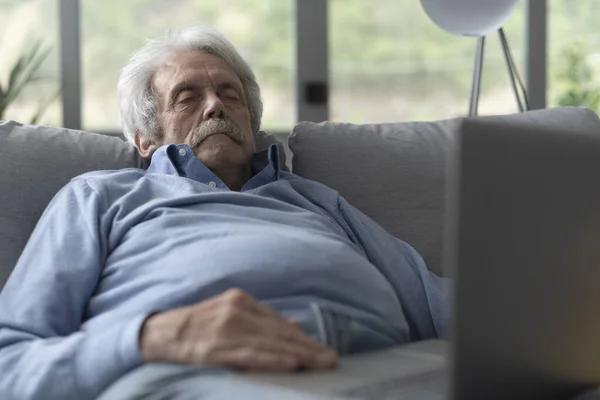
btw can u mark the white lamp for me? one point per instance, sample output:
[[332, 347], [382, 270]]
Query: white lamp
[[478, 18]]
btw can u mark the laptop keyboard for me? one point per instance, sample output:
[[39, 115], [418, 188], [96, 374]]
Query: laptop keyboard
[[425, 386]]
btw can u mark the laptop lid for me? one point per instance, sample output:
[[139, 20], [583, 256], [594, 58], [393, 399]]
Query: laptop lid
[[523, 242]]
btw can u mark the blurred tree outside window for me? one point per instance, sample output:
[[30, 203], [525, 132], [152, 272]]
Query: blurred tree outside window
[[575, 78], [22, 24], [390, 62], [574, 53]]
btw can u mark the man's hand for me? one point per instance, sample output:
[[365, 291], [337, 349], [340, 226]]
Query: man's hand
[[231, 330]]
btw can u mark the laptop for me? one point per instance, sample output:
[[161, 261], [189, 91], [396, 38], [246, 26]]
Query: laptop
[[522, 241]]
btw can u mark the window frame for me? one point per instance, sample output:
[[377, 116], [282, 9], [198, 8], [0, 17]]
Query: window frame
[[311, 61]]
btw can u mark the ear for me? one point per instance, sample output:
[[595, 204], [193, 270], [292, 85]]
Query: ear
[[144, 146]]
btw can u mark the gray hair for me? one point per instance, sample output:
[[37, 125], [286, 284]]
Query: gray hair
[[137, 99]]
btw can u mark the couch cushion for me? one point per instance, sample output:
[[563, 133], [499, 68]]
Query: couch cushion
[[395, 172], [36, 161]]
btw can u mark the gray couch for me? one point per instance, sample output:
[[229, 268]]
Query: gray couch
[[392, 172]]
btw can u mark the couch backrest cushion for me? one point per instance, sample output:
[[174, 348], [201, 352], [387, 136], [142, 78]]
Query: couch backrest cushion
[[395, 173], [37, 161]]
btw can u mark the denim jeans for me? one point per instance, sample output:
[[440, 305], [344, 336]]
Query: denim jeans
[[346, 331]]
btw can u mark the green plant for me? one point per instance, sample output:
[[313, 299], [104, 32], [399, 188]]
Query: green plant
[[24, 72], [575, 78]]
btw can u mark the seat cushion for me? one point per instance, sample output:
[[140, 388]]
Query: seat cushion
[[37, 161], [395, 172]]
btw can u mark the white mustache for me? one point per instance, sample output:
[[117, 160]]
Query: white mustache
[[213, 126]]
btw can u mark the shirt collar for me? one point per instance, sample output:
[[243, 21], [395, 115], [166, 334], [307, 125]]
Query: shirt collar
[[180, 160]]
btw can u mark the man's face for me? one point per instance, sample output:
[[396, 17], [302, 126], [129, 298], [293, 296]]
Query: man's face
[[201, 102]]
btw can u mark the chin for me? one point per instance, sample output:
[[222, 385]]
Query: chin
[[223, 156]]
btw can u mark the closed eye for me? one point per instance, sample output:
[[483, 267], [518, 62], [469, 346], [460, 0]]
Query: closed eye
[[184, 94], [185, 98], [231, 93]]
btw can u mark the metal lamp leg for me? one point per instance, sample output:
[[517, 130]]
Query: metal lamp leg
[[476, 86]]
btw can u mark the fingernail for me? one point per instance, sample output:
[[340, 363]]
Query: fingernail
[[290, 362], [326, 359]]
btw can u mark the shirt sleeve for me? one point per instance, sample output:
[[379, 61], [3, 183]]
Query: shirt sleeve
[[44, 353], [424, 296]]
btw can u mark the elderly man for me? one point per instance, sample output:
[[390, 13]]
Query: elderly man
[[212, 257]]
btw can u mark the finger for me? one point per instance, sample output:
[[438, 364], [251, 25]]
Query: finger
[[259, 353], [242, 300], [233, 299], [229, 318], [238, 298], [264, 310], [274, 328], [270, 323], [257, 360], [306, 357], [243, 321]]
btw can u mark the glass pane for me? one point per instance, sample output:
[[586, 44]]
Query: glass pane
[[22, 23], [392, 63], [261, 30], [574, 53]]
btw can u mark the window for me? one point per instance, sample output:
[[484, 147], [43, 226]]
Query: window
[[387, 62], [392, 63], [574, 53], [21, 24], [262, 30]]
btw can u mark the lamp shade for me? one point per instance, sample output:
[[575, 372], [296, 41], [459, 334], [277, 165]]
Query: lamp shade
[[469, 17]]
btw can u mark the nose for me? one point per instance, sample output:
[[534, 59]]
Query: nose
[[213, 107]]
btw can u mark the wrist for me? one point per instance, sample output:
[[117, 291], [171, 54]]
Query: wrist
[[146, 341]]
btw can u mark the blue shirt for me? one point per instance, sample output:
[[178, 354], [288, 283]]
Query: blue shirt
[[114, 246]]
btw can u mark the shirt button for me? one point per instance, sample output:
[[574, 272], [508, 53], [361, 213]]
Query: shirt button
[[212, 184], [182, 152]]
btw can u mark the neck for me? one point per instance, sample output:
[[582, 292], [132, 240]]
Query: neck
[[234, 178]]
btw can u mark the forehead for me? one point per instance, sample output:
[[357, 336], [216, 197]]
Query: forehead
[[193, 66]]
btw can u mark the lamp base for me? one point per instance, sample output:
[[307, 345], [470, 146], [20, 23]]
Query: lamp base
[[512, 73]]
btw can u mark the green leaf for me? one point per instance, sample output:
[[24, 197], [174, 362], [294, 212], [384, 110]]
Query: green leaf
[[24, 71], [33, 50], [1, 100], [15, 73], [26, 61]]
